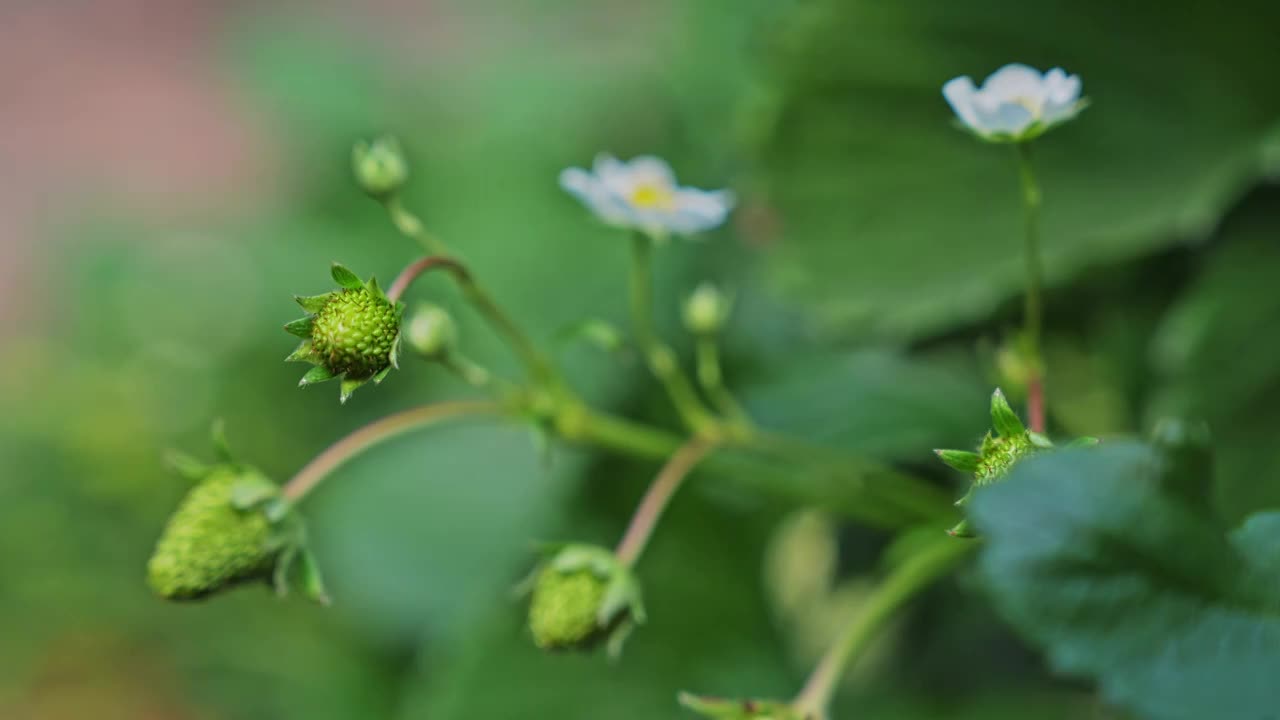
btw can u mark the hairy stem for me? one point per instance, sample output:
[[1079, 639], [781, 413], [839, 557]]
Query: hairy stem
[[913, 575], [333, 457], [1033, 310], [657, 497], [661, 359]]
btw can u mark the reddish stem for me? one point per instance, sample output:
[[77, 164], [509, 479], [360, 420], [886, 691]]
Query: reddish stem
[[418, 267], [656, 498], [1035, 403]]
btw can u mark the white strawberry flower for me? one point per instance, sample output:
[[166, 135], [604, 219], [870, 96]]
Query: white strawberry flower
[[643, 195], [1016, 103]]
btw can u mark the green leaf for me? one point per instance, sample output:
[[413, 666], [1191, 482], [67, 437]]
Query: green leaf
[[300, 327], [1005, 421], [881, 196], [1089, 556], [376, 289], [345, 278], [317, 374], [313, 303]]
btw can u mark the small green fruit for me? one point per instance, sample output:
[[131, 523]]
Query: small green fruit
[[563, 611], [351, 334], [355, 332], [583, 596], [209, 544]]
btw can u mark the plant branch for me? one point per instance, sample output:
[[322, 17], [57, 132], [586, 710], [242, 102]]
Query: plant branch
[[373, 434], [660, 358], [903, 582], [416, 268], [656, 498]]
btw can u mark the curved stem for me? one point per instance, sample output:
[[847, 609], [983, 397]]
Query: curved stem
[[656, 498], [1033, 309], [914, 574], [661, 359], [483, 302], [372, 434], [411, 272]]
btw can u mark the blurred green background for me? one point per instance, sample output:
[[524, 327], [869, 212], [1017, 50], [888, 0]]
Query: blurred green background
[[174, 172]]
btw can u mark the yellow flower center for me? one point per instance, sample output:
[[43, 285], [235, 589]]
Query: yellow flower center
[[652, 196], [1027, 103]]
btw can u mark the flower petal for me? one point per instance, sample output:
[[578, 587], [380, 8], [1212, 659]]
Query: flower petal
[[593, 193], [959, 94]]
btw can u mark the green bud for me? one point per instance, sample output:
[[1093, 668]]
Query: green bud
[[582, 596], [380, 167], [352, 335], [735, 709], [706, 310], [431, 331], [209, 543]]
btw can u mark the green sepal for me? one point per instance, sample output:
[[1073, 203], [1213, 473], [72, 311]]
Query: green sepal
[[377, 291], [345, 278], [252, 494], [283, 567], [317, 374], [349, 386], [305, 352], [962, 530], [186, 465], [310, 578], [1039, 440], [381, 375], [1003, 418], [394, 356], [1084, 441], [962, 460], [218, 438], [300, 327], [313, 303]]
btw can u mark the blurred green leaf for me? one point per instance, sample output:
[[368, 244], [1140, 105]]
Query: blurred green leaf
[[1119, 581], [878, 402], [894, 222]]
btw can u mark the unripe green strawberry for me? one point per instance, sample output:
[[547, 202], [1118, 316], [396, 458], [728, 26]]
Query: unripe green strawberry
[[354, 333], [583, 596], [562, 614], [1001, 449], [209, 544]]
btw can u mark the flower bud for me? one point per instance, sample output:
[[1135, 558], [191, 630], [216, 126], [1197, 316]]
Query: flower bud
[[706, 310], [353, 334], [209, 544], [582, 595], [736, 709], [431, 331], [380, 167]]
